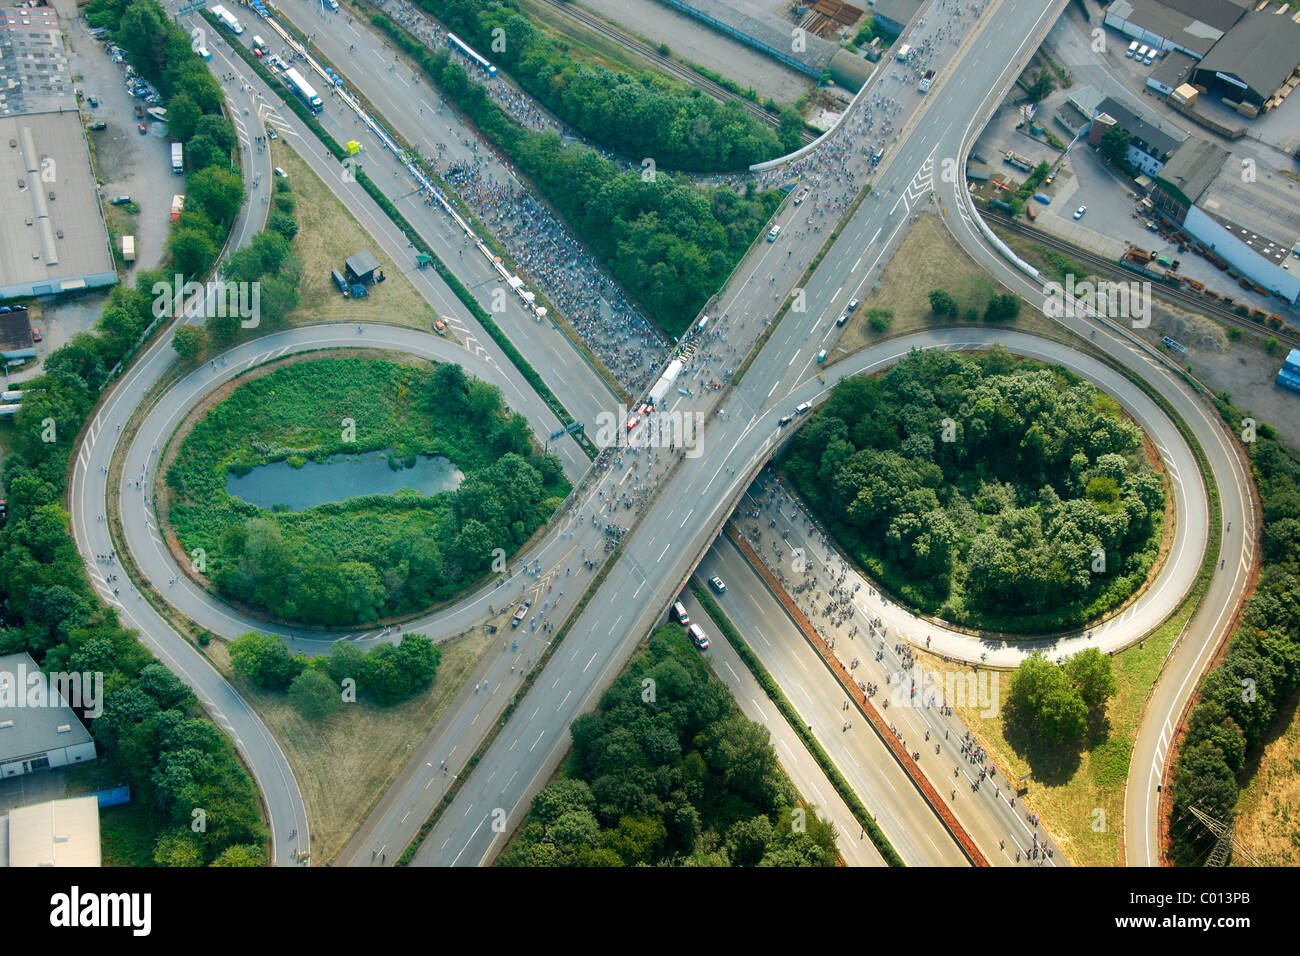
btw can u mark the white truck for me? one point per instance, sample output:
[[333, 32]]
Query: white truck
[[226, 17], [128, 249], [178, 158]]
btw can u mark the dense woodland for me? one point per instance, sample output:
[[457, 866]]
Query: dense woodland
[[1250, 696], [668, 772], [371, 556], [669, 243], [637, 115], [985, 489]]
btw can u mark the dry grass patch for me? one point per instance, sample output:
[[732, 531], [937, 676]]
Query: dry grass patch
[[328, 234], [928, 259], [1068, 795], [1268, 807], [345, 764]]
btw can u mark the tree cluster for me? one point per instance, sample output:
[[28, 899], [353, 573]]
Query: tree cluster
[[637, 115], [1056, 701], [669, 243], [371, 556], [668, 772], [997, 492], [1242, 699], [387, 673]]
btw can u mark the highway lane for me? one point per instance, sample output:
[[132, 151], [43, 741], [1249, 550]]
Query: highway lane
[[804, 771], [859, 754]]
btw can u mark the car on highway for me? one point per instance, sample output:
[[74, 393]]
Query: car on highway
[[821, 356], [633, 422], [785, 420], [773, 233], [803, 194], [678, 613], [698, 636], [1078, 213], [120, 200], [715, 582], [143, 129], [853, 304], [803, 408], [844, 317], [521, 613], [36, 334]]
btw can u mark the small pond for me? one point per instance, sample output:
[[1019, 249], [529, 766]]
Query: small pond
[[339, 478]]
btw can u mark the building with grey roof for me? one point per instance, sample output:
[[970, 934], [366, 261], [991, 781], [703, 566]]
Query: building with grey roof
[[54, 833], [1149, 146], [893, 16], [38, 729], [1254, 61], [34, 73], [1165, 27], [53, 237], [807, 53], [1171, 72], [1247, 216]]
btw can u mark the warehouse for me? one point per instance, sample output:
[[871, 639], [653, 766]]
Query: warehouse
[[38, 729], [53, 237], [55, 833], [1191, 26], [1255, 63]]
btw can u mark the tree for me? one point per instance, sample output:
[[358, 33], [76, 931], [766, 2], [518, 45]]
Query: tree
[[191, 250], [942, 303], [1091, 674], [314, 695], [215, 191], [178, 848], [264, 659], [283, 224], [1042, 697], [1041, 88], [189, 341], [183, 116], [1114, 145], [240, 854]]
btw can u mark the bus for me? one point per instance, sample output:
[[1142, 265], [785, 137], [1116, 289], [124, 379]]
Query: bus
[[293, 79], [456, 43], [226, 17]]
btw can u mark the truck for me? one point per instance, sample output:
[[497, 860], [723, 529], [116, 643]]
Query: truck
[[521, 613], [904, 53], [665, 382], [226, 17], [178, 206], [927, 78], [178, 158], [1015, 159], [294, 80], [128, 249]]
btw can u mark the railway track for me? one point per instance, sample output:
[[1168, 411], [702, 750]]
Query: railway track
[[668, 64], [1105, 267]]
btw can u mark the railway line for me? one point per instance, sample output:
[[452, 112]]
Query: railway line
[[668, 64], [1109, 269]]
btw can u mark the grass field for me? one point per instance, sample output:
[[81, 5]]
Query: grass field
[[345, 764], [1268, 808], [328, 234]]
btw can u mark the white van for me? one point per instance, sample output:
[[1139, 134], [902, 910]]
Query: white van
[[1132, 48], [1142, 51]]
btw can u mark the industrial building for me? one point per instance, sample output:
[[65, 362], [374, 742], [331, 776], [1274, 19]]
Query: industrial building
[[1171, 72], [1191, 26], [34, 73], [54, 833], [1248, 217], [38, 729], [16, 343], [813, 56], [53, 237], [1149, 145], [1256, 64], [893, 16]]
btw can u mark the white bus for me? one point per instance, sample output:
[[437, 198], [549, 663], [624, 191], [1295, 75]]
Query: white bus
[[225, 16]]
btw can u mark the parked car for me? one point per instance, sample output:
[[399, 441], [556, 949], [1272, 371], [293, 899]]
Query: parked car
[[36, 334], [94, 103], [715, 582], [439, 327], [785, 420], [281, 173], [143, 129], [96, 127], [844, 317], [1078, 213], [120, 200], [803, 408], [853, 304], [271, 133]]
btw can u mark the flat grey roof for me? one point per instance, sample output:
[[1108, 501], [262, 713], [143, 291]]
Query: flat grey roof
[[1195, 35], [35, 730], [34, 71], [1261, 51], [1220, 14], [1138, 128], [15, 330], [1265, 214], [896, 11], [1173, 68], [362, 262], [43, 239], [768, 32]]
